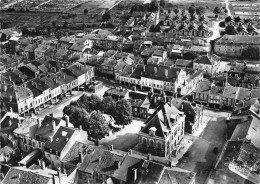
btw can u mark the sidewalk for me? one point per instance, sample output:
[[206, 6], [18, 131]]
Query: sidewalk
[[189, 139], [186, 144]]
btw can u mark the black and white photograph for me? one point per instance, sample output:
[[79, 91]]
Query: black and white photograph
[[130, 91]]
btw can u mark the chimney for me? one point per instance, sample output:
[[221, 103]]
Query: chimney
[[80, 127], [5, 88], [155, 70], [134, 174], [43, 165], [117, 164], [53, 125], [67, 119], [130, 152], [10, 123], [111, 147], [11, 113], [39, 162], [170, 163], [10, 79], [51, 114], [99, 158], [144, 67], [64, 171], [51, 138], [149, 156], [132, 69], [35, 85], [81, 156], [59, 175], [39, 123], [166, 73], [10, 98]]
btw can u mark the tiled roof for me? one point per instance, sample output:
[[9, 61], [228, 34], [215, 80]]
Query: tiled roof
[[91, 159], [203, 60], [28, 127], [17, 93], [108, 163], [244, 39], [72, 155], [5, 124], [21, 175], [46, 128], [150, 172], [176, 175], [230, 151], [50, 81], [37, 86], [184, 63], [149, 72], [76, 71], [60, 139], [230, 92], [116, 91], [160, 119], [125, 173]]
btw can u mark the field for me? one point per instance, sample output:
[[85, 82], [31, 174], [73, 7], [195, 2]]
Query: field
[[208, 4], [245, 9]]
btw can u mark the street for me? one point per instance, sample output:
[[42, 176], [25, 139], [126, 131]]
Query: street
[[57, 109], [201, 157]]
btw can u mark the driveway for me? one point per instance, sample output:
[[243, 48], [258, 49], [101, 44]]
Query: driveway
[[201, 156]]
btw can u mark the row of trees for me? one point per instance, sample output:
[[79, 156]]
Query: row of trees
[[87, 112]]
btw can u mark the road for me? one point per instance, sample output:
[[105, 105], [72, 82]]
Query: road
[[215, 29], [201, 156], [57, 109], [227, 7], [11, 4]]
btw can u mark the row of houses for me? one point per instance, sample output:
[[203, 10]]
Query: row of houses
[[31, 95], [209, 94]]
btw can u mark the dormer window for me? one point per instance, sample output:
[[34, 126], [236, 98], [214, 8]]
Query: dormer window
[[152, 131]]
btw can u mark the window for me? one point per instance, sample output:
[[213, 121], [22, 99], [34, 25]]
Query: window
[[144, 140], [151, 143], [159, 145]]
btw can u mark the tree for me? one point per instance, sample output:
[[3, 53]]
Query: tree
[[230, 30], [189, 55], [89, 103], [176, 10], [237, 19], [106, 16], [200, 10], [217, 10], [86, 11], [109, 105], [76, 114], [228, 19], [162, 3], [192, 9], [183, 12], [95, 102], [250, 52], [154, 6], [96, 125], [123, 115]]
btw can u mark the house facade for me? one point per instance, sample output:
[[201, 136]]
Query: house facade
[[162, 141]]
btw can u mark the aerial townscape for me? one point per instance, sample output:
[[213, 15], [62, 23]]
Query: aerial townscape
[[130, 91]]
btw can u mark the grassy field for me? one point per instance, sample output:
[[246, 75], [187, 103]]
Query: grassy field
[[208, 4], [245, 8]]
